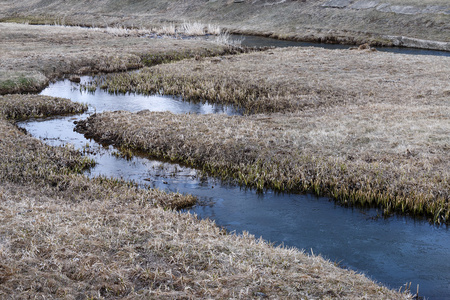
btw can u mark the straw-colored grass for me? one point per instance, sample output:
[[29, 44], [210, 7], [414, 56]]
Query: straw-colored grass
[[291, 79], [63, 235], [33, 55], [107, 248], [13, 81], [374, 132], [20, 107], [297, 20]]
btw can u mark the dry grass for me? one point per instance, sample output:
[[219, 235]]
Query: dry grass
[[14, 82], [20, 107], [300, 20], [26, 160], [374, 133], [171, 30], [31, 55], [108, 248], [289, 80], [66, 236]]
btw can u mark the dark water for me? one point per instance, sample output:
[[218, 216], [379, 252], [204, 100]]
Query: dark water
[[258, 41], [392, 251]]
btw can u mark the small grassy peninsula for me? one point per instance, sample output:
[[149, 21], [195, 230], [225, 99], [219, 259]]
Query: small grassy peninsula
[[66, 236], [373, 133]]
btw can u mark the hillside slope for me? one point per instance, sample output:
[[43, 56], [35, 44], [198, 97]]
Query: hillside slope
[[379, 22]]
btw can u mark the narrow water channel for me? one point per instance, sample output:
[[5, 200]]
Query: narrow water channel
[[259, 41], [392, 251]]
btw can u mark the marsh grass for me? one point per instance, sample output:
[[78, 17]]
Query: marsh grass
[[16, 81], [374, 133], [33, 55], [110, 248], [21, 107], [293, 20], [287, 80], [168, 30], [287, 153], [66, 236]]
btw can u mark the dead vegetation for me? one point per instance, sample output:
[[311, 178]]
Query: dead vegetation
[[374, 133], [295, 79], [21, 107], [109, 248], [305, 20], [66, 236], [33, 55]]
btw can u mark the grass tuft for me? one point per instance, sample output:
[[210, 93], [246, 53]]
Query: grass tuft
[[363, 137]]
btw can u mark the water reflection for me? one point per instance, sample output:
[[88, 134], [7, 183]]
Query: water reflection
[[392, 251], [101, 100], [259, 41]]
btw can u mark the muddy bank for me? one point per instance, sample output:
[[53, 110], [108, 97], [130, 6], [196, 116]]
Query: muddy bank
[[33, 55], [411, 23]]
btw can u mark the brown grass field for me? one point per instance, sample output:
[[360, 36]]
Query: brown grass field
[[66, 236], [375, 132], [306, 20], [33, 55]]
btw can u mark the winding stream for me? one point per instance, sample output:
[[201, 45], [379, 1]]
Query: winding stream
[[392, 251], [258, 41]]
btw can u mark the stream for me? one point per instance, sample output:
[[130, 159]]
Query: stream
[[394, 251]]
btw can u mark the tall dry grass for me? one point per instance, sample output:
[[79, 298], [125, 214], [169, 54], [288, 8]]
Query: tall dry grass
[[63, 235], [364, 127], [33, 55]]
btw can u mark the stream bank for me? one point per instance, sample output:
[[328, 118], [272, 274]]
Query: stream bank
[[389, 250], [377, 22]]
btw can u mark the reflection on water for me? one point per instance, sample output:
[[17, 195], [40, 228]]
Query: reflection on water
[[259, 41], [102, 100], [392, 251]]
